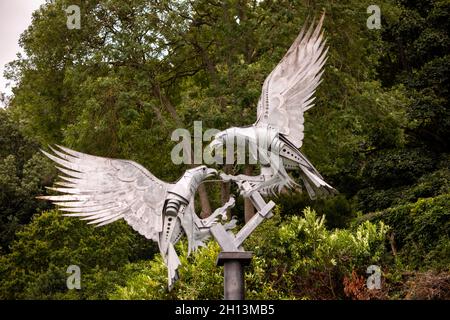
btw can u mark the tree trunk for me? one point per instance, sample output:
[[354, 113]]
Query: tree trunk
[[225, 189], [249, 210], [393, 245], [204, 200]]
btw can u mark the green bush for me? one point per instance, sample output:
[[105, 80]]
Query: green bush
[[428, 185], [421, 231], [397, 167], [24, 172], [338, 209], [200, 279], [290, 254], [304, 259], [36, 267]]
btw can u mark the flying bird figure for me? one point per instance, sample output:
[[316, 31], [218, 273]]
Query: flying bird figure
[[103, 190], [276, 136]]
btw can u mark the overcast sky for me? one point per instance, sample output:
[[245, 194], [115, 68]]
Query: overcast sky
[[15, 17]]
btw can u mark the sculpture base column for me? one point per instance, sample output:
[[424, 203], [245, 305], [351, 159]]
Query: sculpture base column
[[233, 263]]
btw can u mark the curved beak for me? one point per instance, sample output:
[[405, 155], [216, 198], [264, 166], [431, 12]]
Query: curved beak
[[215, 150], [211, 172], [214, 144]]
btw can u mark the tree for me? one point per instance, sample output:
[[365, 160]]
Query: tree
[[417, 56], [23, 174]]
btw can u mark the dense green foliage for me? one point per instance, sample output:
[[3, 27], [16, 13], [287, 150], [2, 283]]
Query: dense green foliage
[[23, 174], [421, 231], [138, 69], [290, 255], [45, 248]]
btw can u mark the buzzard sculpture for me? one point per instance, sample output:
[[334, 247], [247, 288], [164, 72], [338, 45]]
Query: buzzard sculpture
[[276, 136], [103, 190]]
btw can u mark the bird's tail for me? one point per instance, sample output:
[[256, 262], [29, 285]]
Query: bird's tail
[[173, 262], [314, 184]]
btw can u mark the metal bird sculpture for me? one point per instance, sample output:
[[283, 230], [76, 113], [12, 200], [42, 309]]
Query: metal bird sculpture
[[103, 190], [278, 131]]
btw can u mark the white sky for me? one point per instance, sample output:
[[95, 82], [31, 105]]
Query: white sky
[[15, 17]]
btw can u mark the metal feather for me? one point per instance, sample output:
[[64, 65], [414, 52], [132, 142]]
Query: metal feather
[[287, 91], [103, 190], [97, 189]]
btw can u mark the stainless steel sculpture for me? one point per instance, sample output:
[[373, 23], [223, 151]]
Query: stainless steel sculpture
[[104, 190], [277, 134]]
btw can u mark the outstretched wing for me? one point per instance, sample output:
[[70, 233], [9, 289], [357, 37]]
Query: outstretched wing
[[190, 223], [103, 190], [287, 92]]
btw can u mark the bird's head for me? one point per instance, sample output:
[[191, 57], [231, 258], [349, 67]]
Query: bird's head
[[198, 174], [216, 148], [219, 141]]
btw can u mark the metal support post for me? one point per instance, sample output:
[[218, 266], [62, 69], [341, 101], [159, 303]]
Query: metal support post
[[233, 263]]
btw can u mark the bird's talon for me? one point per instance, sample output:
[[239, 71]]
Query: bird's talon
[[227, 177]]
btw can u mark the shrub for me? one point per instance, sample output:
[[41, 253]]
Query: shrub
[[36, 267], [294, 257], [338, 209], [429, 185], [421, 231], [428, 286], [397, 167]]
